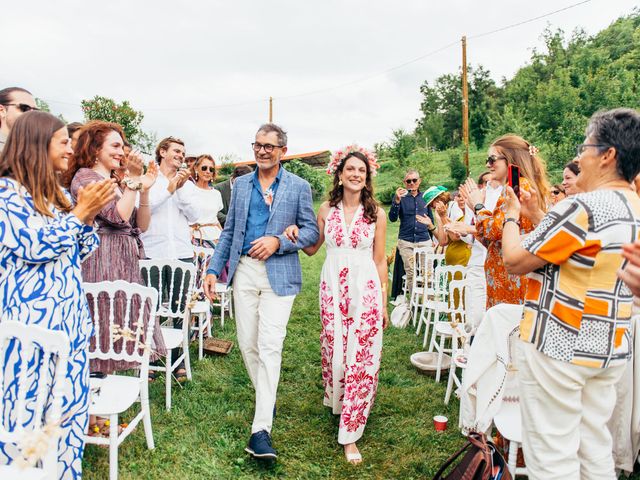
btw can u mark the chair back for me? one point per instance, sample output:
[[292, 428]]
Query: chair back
[[420, 265], [432, 262], [443, 274], [203, 257], [124, 319], [33, 366], [174, 281]]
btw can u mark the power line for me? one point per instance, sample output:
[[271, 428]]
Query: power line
[[361, 79]]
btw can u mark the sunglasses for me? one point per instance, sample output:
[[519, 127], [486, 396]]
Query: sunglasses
[[204, 168], [491, 159], [267, 147], [556, 192], [411, 180], [23, 107]]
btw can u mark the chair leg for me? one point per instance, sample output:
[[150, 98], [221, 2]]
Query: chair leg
[[513, 457], [168, 372], [436, 318], [113, 447], [200, 336], [146, 419], [427, 330], [440, 357], [452, 374], [223, 304], [209, 319], [187, 357], [230, 304]]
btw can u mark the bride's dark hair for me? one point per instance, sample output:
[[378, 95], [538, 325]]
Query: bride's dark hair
[[366, 195]]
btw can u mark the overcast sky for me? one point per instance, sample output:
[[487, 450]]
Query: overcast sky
[[203, 70]]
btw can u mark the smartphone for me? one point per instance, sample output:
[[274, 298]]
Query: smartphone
[[514, 179], [98, 375]]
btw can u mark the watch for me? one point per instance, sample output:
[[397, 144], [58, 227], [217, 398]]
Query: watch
[[478, 207], [131, 184]]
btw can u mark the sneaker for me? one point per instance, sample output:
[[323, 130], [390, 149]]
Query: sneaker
[[260, 446]]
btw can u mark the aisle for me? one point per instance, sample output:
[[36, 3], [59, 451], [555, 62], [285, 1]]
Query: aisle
[[204, 435]]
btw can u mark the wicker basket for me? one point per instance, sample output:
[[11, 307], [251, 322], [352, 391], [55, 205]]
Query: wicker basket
[[217, 346]]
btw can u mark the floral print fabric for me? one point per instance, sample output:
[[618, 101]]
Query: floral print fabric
[[501, 287], [351, 314]]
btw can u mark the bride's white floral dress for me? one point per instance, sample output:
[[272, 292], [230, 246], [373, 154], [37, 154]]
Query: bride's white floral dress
[[351, 313]]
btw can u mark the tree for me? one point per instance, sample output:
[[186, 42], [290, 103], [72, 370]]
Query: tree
[[107, 110]]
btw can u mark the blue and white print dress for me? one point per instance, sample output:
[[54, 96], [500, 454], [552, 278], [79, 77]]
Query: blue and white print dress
[[41, 283]]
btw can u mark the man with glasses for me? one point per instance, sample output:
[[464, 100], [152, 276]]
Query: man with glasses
[[14, 101], [264, 268], [406, 205]]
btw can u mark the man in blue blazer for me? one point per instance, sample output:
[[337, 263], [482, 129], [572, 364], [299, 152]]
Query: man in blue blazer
[[264, 268]]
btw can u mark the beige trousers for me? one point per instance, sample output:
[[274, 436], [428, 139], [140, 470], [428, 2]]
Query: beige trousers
[[261, 323], [565, 409], [406, 253]]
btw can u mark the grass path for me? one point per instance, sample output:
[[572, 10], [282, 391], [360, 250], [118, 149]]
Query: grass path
[[204, 435]]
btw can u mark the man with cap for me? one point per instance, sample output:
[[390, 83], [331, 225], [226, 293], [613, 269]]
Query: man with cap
[[407, 205]]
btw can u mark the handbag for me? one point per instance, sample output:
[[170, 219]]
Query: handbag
[[400, 315], [480, 460]]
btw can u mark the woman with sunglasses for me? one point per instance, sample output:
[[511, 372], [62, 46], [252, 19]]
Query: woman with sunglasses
[[206, 230], [503, 152], [557, 194], [570, 178]]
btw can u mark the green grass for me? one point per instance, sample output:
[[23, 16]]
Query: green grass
[[204, 435]]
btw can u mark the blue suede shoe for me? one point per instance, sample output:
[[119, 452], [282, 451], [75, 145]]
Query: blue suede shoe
[[260, 446]]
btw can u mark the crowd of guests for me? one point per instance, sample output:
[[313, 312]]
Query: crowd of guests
[[79, 204], [564, 259]]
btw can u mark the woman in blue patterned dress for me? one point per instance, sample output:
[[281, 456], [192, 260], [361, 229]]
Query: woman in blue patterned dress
[[42, 242]]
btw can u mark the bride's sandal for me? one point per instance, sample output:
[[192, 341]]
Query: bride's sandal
[[354, 458]]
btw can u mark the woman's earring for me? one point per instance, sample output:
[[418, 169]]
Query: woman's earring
[[340, 182], [196, 177]]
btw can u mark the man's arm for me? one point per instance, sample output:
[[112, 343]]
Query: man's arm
[[394, 211], [306, 221]]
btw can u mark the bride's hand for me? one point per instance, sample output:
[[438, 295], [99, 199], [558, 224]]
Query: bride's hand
[[291, 232], [385, 319]]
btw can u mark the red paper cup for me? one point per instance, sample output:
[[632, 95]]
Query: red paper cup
[[440, 423]]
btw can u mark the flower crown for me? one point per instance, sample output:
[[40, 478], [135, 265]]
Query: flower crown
[[339, 155]]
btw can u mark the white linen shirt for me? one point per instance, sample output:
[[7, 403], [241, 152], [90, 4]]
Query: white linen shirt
[[169, 234]]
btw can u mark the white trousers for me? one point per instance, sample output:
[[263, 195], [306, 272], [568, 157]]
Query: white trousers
[[565, 409], [476, 297], [261, 323]]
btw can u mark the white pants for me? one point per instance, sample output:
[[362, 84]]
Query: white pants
[[261, 323], [565, 409], [476, 297]]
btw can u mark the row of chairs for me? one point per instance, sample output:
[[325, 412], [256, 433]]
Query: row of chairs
[[173, 292]]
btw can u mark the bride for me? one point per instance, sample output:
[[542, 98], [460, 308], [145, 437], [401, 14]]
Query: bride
[[353, 287]]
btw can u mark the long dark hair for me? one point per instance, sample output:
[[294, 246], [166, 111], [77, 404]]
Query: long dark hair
[[366, 195], [25, 158]]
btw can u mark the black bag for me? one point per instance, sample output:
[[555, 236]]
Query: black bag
[[481, 461]]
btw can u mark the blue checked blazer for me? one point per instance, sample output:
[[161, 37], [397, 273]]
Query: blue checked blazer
[[292, 206]]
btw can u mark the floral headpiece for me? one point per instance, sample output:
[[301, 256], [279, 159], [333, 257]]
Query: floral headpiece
[[339, 155], [533, 150]]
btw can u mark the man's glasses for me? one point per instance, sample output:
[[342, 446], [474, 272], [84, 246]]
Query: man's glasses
[[583, 146], [411, 180], [267, 147], [204, 168], [23, 107], [491, 159]]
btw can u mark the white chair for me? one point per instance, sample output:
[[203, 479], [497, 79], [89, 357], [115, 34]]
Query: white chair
[[201, 308], [455, 325], [435, 290], [129, 341], [29, 414], [174, 281], [420, 278]]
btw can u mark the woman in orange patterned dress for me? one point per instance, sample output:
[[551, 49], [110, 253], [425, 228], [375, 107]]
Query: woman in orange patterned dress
[[534, 186]]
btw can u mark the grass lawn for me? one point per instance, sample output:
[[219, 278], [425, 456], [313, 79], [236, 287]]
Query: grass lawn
[[204, 435]]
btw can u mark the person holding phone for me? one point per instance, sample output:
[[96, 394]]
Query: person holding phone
[[408, 205], [512, 160]]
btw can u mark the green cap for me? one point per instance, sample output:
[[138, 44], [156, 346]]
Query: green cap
[[432, 192]]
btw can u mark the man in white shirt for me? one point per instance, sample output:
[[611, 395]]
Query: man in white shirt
[[171, 199]]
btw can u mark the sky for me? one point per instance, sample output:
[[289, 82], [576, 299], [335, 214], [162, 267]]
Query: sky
[[203, 70]]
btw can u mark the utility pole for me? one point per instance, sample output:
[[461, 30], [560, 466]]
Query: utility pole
[[270, 109], [465, 105]]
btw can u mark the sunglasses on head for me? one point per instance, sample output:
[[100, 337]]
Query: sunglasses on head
[[491, 159], [23, 107], [204, 168], [411, 180]]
